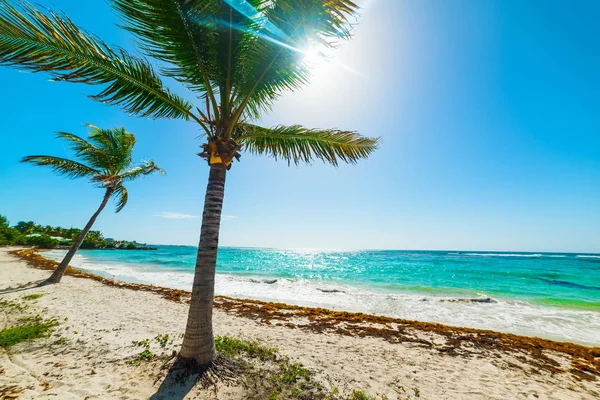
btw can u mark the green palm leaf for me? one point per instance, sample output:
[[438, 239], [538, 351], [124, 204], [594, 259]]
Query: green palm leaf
[[246, 51], [275, 63], [149, 167], [169, 31], [106, 160], [115, 144], [62, 166], [122, 197], [52, 43], [298, 144], [201, 40]]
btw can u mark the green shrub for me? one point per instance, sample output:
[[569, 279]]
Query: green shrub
[[34, 330], [232, 347], [42, 241], [10, 236], [3, 222]]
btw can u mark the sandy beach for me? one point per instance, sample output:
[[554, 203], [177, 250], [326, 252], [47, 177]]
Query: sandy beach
[[88, 355]]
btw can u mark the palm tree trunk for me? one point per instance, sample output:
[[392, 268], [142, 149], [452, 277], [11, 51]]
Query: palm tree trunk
[[198, 342], [60, 270]]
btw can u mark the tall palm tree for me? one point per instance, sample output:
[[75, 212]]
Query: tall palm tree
[[106, 162], [236, 56]]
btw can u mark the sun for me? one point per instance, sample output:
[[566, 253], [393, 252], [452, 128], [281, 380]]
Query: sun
[[313, 56]]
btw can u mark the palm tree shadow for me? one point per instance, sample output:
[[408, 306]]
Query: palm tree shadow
[[24, 286], [174, 387]]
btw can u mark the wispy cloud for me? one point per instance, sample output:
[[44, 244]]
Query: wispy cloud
[[172, 215], [229, 217]]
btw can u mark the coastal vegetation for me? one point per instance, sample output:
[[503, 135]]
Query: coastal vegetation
[[23, 327], [261, 370], [27, 329], [28, 233], [106, 160], [236, 60], [258, 370]]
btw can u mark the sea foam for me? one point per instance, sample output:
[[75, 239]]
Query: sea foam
[[483, 311]]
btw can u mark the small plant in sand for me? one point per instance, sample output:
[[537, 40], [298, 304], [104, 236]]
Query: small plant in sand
[[106, 160], [60, 341], [33, 296], [163, 340], [145, 355], [268, 374], [29, 328], [233, 347], [12, 306]]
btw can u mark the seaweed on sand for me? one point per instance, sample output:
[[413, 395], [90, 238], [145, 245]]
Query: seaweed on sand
[[458, 341]]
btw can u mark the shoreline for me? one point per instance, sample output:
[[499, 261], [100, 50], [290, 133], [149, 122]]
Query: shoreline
[[451, 340], [287, 278]]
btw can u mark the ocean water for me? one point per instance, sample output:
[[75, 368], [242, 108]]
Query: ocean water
[[556, 296]]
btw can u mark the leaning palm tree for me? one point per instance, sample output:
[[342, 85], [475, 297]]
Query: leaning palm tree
[[106, 162], [235, 56]]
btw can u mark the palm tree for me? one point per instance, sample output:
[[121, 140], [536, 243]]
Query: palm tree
[[236, 56], [106, 162]]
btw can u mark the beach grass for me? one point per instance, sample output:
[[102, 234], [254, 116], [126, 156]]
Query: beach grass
[[360, 395], [33, 296], [279, 376], [260, 369], [12, 305], [233, 347], [31, 328]]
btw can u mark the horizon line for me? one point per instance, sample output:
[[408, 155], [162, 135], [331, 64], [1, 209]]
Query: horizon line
[[384, 249]]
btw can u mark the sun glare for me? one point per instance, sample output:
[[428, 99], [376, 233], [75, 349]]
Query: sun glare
[[313, 56]]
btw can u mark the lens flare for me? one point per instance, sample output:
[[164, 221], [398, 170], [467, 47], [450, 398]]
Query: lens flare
[[266, 30]]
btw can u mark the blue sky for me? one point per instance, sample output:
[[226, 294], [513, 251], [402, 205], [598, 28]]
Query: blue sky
[[489, 113]]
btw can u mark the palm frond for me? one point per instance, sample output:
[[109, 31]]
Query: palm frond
[[275, 63], [201, 40], [177, 32], [62, 166], [116, 145], [86, 151], [298, 144], [106, 180], [147, 168], [50, 42], [122, 197]]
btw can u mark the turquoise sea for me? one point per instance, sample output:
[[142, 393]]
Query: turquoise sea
[[550, 295]]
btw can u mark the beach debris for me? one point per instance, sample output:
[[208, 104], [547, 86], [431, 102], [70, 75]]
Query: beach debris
[[330, 290], [10, 392], [486, 300], [267, 281]]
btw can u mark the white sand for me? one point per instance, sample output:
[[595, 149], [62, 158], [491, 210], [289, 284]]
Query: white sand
[[101, 321]]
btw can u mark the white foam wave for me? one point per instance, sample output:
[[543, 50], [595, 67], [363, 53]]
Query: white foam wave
[[503, 255], [500, 315], [587, 256]]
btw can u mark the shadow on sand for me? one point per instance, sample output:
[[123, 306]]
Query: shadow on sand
[[173, 387], [183, 377], [24, 286]]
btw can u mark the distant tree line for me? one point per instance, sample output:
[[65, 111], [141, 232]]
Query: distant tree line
[[29, 233]]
